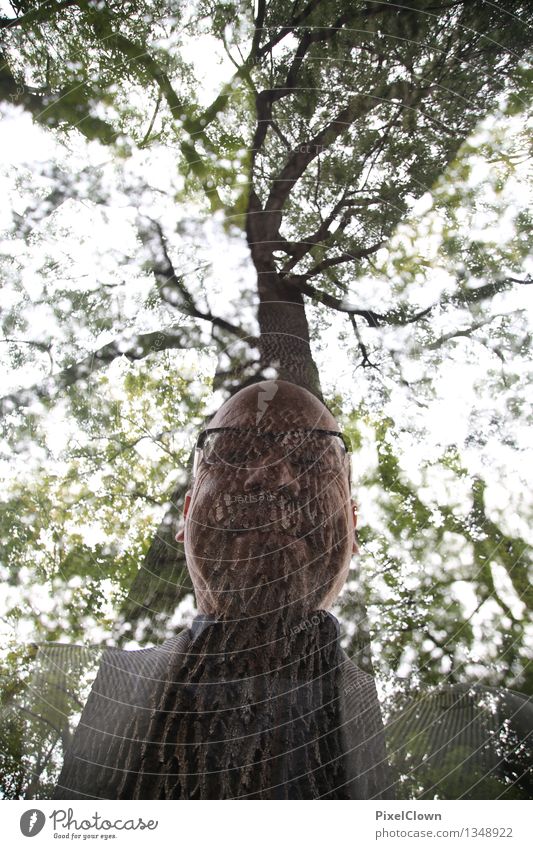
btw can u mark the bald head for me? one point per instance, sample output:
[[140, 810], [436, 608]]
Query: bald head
[[268, 521], [274, 405]]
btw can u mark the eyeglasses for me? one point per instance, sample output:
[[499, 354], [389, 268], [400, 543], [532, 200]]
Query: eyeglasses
[[242, 448]]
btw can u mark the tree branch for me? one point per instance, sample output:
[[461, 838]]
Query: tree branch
[[135, 348], [467, 331], [172, 288], [329, 262], [296, 164], [45, 347], [258, 28], [35, 16], [483, 293], [266, 99], [147, 134], [286, 30], [54, 110], [297, 250], [402, 316], [366, 362], [373, 319]]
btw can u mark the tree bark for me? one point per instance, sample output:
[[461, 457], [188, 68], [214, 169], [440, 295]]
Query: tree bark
[[271, 709], [284, 342]]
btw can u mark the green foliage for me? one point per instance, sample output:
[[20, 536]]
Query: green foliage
[[430, 169], [424, 562]]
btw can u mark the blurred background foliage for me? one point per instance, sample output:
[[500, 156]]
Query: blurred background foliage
[[126, 180]]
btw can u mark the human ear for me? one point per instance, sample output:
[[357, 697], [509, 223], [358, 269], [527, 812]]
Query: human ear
[[180, 536]]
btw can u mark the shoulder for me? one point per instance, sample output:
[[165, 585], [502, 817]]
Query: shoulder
[[126, 666], [174, 645], [354, 673], [127, 679], [359, 693]]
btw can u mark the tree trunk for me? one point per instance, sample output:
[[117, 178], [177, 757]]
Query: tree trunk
[[161, 582], [284, 341]]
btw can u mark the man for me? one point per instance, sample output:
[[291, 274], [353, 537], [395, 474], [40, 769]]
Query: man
[[257, 700]]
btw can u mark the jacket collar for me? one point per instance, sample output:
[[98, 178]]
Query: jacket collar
[[201, 622]]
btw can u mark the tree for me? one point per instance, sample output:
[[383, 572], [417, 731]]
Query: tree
[[338, 123]]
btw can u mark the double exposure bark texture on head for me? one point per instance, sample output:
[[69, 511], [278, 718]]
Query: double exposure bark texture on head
[[338, 115]]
